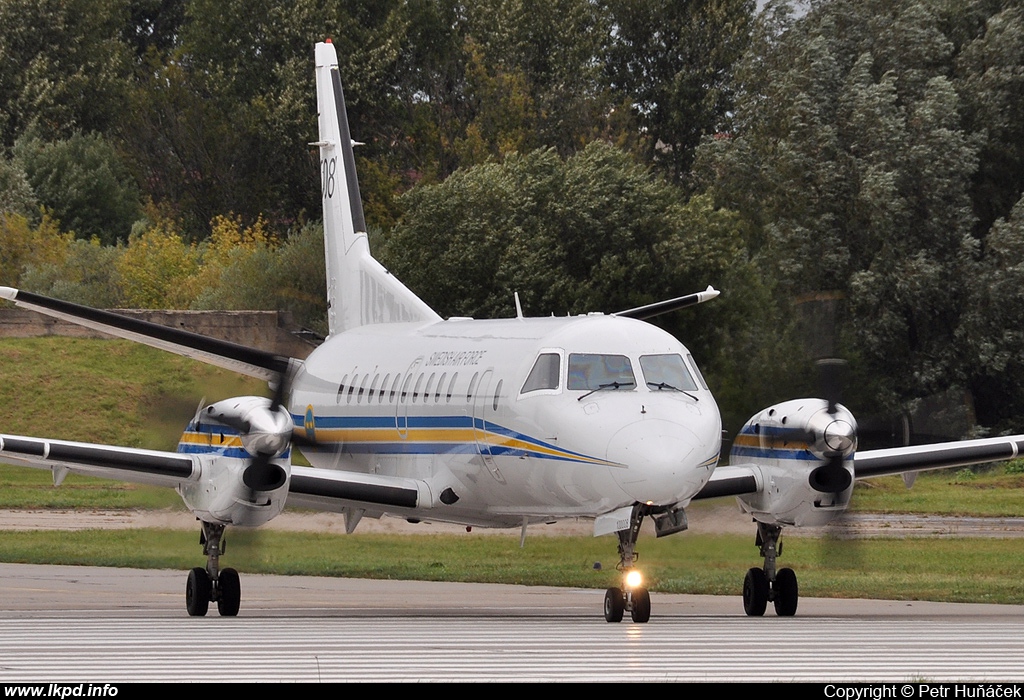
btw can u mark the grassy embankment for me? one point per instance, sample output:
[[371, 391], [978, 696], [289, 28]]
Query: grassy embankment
[[116, 392]]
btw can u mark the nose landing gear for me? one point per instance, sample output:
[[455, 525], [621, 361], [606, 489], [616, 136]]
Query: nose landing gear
[[632, 596]]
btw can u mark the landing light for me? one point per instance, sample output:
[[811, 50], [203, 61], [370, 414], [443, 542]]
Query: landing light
[[634, 579]]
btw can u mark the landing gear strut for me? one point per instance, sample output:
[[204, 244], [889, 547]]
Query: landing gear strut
[[212, 583], [632, 596], [763, 585]]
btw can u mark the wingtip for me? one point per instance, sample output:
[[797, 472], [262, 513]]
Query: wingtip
[[9, 293]]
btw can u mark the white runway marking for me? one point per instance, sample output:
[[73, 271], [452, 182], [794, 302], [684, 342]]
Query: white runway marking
[[95, 625], [502, 649]]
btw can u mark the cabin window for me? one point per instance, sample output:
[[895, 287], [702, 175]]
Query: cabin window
[[666, 372], [362, 388], [416, 389], [352, 388], [440, 384], [394, 387], [592, 372], [472, 385], [427, 388], [545, 373], [451, 387], [405, 387], [373, 388], [384, 388], [497, 394], [341, 387]]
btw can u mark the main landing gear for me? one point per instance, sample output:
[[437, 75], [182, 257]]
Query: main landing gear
[[632, 596], [212, 583], [763, 585]]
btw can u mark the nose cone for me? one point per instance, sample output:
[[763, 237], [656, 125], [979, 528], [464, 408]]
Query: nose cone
[[661, 461], [841, 437], [269, 432]]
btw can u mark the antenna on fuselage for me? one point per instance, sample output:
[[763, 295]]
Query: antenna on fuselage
[[519, 307]]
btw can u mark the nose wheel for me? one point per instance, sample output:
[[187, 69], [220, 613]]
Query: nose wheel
[[632, 596], [212, 583], [761, 586]]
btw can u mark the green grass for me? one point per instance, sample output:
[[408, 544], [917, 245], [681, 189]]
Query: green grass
[[986, 492], [108, 391], [978, 570], [122, 393]]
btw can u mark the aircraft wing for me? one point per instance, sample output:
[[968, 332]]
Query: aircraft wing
[[319, 489], [333, 490], [255, 363], [740, 479], [120, 463]]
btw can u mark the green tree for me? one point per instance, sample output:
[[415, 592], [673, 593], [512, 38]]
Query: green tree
[[83, 183], [84, 275], [64, 67], [674, 62], [989, 77], [851, 161]]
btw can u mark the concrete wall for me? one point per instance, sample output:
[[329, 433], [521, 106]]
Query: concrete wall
[[267, 330]]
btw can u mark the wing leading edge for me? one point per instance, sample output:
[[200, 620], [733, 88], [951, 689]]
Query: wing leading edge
[[319, 489], [106, 461], [741, 479]]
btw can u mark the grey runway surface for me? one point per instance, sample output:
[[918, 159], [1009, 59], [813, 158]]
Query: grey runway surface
[[103, 625]]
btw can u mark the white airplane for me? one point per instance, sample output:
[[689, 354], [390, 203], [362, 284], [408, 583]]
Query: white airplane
[[491, 423]]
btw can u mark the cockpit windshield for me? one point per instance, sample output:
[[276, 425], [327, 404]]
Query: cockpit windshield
[[593, 372], [666, 373]]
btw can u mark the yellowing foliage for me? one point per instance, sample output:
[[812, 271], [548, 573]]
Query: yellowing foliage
[[228, 237], [157, 267], [22, 244]]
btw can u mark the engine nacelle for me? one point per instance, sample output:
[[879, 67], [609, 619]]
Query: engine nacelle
[[803, 458], [245, 456]]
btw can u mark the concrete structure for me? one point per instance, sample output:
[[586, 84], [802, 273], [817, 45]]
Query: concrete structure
[[272, 331]]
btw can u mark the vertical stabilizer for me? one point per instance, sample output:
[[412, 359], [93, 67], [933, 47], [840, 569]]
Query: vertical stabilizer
[[359, 290]]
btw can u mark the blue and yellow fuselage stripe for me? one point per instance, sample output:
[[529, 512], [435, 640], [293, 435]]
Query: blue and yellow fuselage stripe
[[431, 435], [772, 442], [221, 440]]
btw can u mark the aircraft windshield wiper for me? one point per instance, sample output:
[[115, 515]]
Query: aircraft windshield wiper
[[610, 385], [661, 386]]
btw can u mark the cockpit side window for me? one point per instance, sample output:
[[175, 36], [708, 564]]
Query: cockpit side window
[[545, 373], [700, 377], [666, 373], [592, 372]]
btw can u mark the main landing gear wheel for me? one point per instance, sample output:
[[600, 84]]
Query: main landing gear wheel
[[212, 583], [230, 593], [755, 593], [614, 605], [762, 586], [197, 592]]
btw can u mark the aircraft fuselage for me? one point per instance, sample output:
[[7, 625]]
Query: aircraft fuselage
[[448, 403]]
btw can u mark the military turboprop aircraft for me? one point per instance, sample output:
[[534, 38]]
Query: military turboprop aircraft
[[493, 423]]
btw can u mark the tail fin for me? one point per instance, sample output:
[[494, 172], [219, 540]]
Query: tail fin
[[359, 290]]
